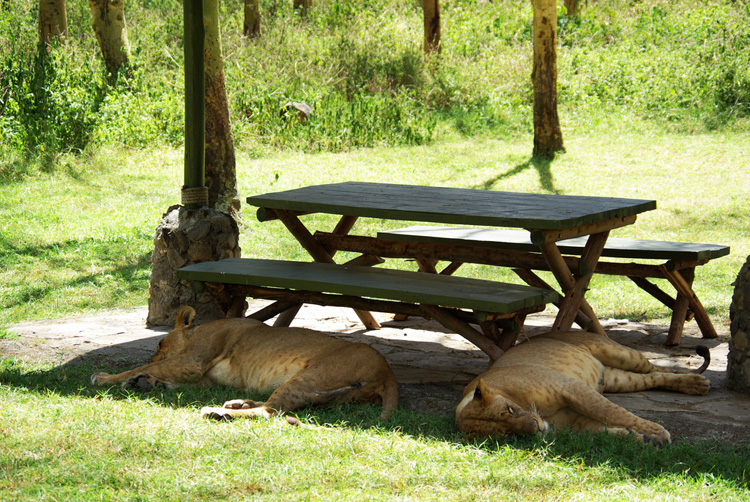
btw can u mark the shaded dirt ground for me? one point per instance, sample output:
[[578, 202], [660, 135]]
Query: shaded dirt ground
[[432, 366]]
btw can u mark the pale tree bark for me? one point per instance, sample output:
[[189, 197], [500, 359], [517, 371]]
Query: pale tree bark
[[431, 10], [252, 18], [108, 20], [547, 133], [221, 177], [571, 7], [53, 21]]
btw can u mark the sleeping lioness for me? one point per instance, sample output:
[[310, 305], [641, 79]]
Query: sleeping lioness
[[557, 379], [303, 366]]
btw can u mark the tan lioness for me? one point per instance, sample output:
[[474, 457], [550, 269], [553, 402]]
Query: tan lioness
[[557, 379], [301, 366]]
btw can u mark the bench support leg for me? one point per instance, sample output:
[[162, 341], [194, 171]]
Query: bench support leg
[[464, 329], [684, 290], [319, 254]]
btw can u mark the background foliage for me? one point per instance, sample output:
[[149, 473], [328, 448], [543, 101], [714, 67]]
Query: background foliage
[[360, 65]]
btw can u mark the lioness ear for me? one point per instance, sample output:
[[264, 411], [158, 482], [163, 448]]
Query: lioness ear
[[185, 318], [483, 392]]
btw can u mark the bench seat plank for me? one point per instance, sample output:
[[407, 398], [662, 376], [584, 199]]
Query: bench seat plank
[[367, 282], [519, 241]]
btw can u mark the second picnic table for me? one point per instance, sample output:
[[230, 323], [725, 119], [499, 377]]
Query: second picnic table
[[548, 218]]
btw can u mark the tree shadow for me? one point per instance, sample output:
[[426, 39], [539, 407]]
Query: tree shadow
[[543, 167]]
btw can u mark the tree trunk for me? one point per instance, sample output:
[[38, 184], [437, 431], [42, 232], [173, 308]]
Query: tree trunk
[[252, 18], [108, 20], [221, 178], [53, 21], [571, 7], [547, 133], [431, 10], [302, 6]]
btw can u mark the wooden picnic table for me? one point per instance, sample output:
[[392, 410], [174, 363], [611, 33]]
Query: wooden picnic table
[[548, 219]]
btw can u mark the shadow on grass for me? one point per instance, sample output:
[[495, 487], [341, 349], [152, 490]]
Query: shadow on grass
[[699, 461], [541, 165], [116, 260]]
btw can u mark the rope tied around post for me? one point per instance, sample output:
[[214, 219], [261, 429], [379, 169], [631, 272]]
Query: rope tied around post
[[195, 196]]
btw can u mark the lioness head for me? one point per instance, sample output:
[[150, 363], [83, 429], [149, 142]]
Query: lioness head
[[489, 414], [177, 338]]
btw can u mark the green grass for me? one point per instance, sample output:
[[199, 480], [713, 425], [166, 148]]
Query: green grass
[[80, 239], [84, 444]]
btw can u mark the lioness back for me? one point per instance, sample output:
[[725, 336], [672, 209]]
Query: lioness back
[[262, 358], [565, 358]]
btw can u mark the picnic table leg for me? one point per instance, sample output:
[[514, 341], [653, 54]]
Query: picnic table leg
[[679, 311], [685, 290], [582, 319], [574, 286], [319, 254]]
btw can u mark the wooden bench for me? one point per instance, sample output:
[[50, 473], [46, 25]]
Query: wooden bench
[[678, 263], [498, 308]]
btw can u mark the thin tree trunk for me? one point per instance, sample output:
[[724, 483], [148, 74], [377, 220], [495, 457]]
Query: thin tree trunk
[[53, 21], [547, 133], [252, 18], [431, 10], [571, 7], [302, 6], [108, 20], [221, 177]]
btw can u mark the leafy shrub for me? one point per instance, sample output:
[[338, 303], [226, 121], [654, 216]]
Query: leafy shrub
[[360, 64]]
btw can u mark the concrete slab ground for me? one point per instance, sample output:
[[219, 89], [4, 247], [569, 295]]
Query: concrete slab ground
[[431, 364]]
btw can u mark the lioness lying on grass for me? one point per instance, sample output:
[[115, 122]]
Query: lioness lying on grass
[[303, 366], [557, 379]]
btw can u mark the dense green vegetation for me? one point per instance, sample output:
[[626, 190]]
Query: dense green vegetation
[[654, 103], [680, 64]]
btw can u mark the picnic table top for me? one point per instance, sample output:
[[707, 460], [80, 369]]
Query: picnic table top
[[460, 206]]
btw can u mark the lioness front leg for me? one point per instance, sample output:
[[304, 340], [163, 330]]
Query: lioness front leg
[[237, 408], [167, 373], [603, 413]]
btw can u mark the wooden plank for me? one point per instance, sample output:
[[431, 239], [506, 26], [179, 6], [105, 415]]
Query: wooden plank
[[449, 291], [459, 206], [441, 251], [520, 241]]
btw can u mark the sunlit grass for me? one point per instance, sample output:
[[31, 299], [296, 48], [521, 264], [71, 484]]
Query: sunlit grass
[[86, 443]]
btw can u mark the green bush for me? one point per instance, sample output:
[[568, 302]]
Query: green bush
[[360, 65]]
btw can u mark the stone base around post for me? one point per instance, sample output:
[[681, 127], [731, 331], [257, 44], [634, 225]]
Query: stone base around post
[[187, 236], [738, 365]]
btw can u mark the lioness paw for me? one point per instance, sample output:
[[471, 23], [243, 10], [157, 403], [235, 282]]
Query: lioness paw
[[241, 404], [143, 382], [212, 413], [696, 385], [99, 378]]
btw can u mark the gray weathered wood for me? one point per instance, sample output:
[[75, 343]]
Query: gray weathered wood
[[457, 206], [427, 289], [520, 241]]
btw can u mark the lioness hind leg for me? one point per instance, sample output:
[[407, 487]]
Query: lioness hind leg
[[617, 380]]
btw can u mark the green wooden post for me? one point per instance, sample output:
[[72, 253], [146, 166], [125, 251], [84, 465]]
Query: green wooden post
[[194, 192]]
